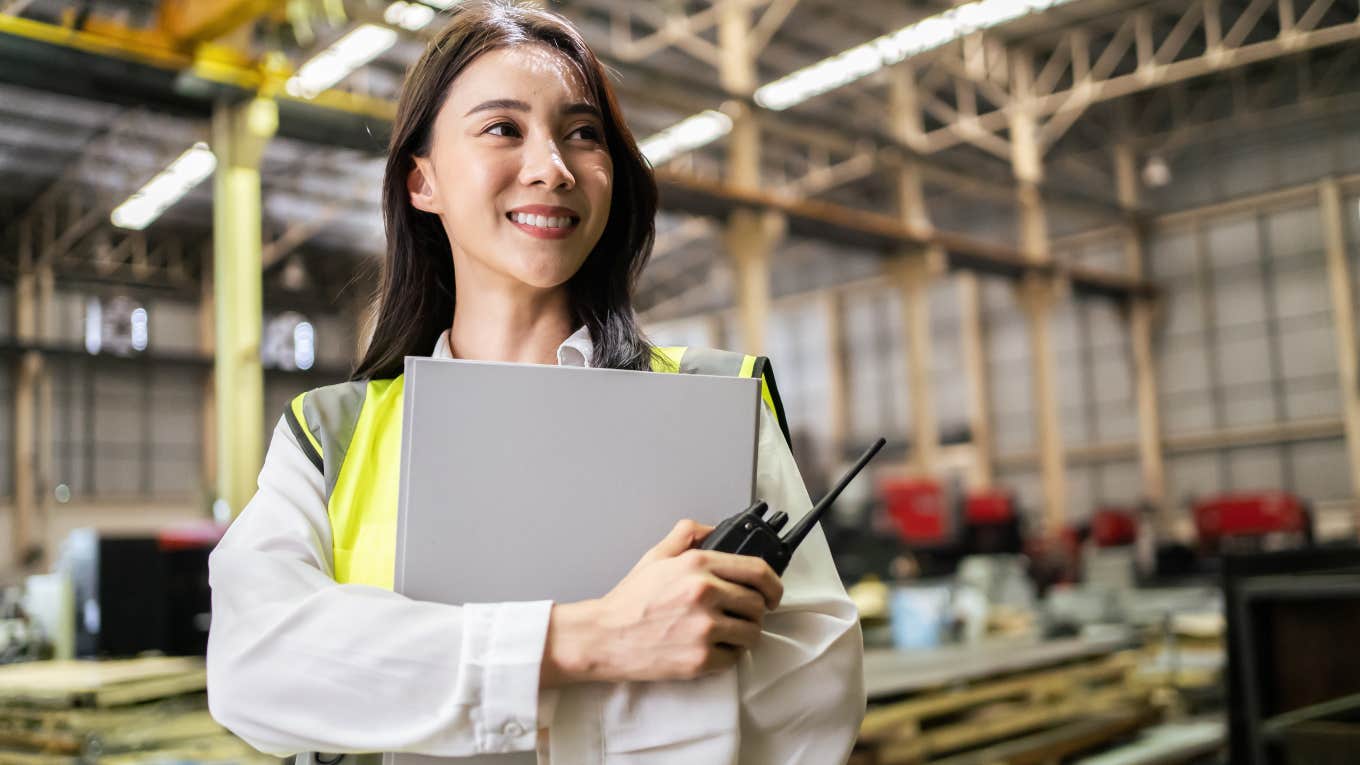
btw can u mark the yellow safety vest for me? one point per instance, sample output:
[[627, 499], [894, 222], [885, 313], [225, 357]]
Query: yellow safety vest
[[351, 432]]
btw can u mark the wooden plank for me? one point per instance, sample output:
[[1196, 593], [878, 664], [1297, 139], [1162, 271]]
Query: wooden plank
[[1002, 724], [99, 683], [889, 673], [103, 731], [884, 722], [1053, 745]]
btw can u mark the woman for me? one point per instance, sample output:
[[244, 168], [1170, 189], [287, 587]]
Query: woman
[[511, 167]]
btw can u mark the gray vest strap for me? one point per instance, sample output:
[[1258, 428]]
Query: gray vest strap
[[331, 414], [709, 361]]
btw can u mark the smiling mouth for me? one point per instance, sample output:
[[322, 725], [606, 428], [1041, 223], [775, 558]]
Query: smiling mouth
[[547, 223]]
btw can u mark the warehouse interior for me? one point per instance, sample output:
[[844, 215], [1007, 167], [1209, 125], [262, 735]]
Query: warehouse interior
[[1089, 266]]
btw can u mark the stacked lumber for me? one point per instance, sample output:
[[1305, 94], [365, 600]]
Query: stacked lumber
[[1034, 716], [123, 712]]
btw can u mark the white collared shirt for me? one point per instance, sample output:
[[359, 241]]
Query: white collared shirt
[[298, 663]]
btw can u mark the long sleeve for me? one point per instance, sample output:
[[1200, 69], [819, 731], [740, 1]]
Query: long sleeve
[[797, 698], [297, 662], [802, 689]]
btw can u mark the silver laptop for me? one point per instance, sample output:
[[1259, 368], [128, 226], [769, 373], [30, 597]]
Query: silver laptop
[[529, 482]]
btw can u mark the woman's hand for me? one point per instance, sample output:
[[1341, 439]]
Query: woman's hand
[[680, 613]]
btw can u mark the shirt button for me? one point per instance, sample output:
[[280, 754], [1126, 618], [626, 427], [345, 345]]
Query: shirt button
[[513, 729]]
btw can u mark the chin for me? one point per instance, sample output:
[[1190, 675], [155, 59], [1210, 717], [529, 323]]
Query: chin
[[545, 279], [547, 273]]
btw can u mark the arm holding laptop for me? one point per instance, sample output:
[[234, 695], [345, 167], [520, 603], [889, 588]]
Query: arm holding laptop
[[297, 662], [798, 696]]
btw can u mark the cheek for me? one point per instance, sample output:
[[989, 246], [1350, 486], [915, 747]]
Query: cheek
[[468, 180]]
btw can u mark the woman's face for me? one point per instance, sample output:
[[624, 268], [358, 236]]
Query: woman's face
[[518, 170]]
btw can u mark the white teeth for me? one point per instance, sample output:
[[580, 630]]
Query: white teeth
[[540, 221]]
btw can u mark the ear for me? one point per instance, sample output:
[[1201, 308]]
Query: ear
[[420, 185]]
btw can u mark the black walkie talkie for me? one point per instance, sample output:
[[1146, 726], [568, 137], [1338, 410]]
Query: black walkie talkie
[[750, 533]]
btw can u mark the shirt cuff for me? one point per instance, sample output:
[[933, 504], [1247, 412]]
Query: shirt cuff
[[504, 643]]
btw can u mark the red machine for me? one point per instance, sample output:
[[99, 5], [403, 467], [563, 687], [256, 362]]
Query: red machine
[[919, 509], [927, 514], [1114, 527], [988, 507], [1250, 514]]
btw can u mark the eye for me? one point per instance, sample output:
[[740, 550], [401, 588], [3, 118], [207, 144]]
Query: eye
[[588, 133], [509, 130]]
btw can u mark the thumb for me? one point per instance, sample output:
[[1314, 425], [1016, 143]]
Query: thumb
[[683, 536]]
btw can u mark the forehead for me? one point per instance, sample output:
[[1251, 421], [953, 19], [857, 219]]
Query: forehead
[[525, 72]]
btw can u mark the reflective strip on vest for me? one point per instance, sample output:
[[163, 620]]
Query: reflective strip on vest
[[352, 433]]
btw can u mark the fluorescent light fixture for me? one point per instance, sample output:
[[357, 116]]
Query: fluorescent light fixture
[[686, 135], [360, 46], [863, 60], [846, 67], [410, 16], [167, 188]]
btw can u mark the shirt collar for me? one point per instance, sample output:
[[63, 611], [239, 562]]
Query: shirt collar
[[575, 351]]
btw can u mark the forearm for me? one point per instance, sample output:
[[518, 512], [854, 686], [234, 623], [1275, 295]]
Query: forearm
[[297, 662], [354, 669]]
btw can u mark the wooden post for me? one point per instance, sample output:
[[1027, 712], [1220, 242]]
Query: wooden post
[[751, 234], [838, 374], [25, 391], [1037, 295], [713, 331], [43, 462], [749, 240], [974, 343], [913, 273], [1343, 318], [1141, 314]]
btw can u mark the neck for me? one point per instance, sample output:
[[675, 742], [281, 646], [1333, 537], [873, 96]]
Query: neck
[[493, 325]]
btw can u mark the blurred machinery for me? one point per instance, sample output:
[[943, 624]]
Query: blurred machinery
[[1252, 521], [941, 523], [135, 594]]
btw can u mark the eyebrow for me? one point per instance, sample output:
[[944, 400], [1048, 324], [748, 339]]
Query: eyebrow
[[580, 107]]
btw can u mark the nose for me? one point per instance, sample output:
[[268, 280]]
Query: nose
[[543, 165]]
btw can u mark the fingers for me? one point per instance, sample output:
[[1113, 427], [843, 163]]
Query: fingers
[[720, 658], [683, 536], [738, 600], [745, 570], [737, 633]]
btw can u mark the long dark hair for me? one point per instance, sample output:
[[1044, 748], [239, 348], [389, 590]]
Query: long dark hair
[[416, 295]]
